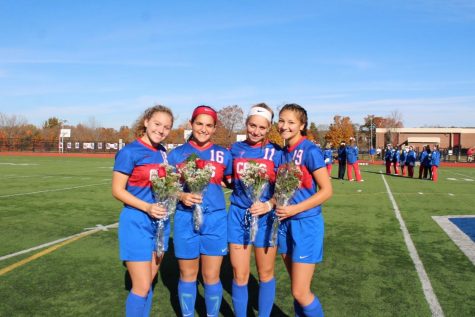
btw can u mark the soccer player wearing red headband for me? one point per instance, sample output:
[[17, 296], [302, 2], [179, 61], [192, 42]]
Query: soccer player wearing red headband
[[209, 244]]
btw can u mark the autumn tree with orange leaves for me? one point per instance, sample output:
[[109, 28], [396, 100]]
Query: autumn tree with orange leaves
[[340, 130]]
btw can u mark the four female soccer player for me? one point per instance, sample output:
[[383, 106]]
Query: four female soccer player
[[301, 224]]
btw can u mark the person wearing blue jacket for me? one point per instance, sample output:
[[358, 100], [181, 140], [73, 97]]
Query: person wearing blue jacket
[[411, 161], [388, 158], [427, 164], [402, 160], [328, 157], [372, 152], [352, 161], [422, 160], [341, 160], [395, 159], [435, 161]]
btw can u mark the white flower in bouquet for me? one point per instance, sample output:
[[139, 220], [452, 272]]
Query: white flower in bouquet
[[255, 180], [166, 187], [288, 180], [197, 175]]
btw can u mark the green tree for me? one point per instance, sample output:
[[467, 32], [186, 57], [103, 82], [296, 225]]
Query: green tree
[[52, 123]]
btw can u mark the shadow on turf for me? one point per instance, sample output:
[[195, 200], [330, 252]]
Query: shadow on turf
[[169, 274], [416, 177]]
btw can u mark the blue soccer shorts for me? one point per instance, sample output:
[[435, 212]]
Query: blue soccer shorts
[[302, 239], [137, 235], [239, 228], [210, 240]]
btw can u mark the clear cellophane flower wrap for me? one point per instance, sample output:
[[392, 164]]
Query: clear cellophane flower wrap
[[197, 174], [255, 180], [288, 180], [166, 188]]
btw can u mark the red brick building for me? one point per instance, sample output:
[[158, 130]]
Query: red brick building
[[457, 139]]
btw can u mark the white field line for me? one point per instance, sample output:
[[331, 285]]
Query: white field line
[[87, 231], [19, 164], [463, 175], [458, 236], [50, 190], [429, 294]]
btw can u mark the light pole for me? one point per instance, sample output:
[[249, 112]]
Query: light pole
[[371, 132], [62, 135]]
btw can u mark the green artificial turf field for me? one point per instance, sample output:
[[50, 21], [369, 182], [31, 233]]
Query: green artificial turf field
[[367, 268]]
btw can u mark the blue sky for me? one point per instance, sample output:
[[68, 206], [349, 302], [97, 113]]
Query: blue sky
[[106, 61]]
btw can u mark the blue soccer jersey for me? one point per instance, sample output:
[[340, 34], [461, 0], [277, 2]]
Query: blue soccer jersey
[[328, 156], [309, 158], [137, 231], [352, 154], [136, 160], [220, 160], [268, 156]]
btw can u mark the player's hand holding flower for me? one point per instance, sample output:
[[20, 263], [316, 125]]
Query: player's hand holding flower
[[288, 180], [197, 174], [255, 180], [260, 208], [166, 188], [284, 212]]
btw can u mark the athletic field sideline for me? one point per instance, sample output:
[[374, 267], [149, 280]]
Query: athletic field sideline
[[392, 246]]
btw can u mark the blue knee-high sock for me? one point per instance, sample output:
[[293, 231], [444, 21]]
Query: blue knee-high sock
[[134, 305], [213, 296], [266, 297], [314, 309], [298, 309], [148, 303], [240, 298], [187, 297]]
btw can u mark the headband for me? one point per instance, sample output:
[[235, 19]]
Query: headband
[[204, 110], [259, 111]]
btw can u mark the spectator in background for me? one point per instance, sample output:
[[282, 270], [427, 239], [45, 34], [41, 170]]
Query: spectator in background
[[341, 160], [378, 152], [427, 164], [395, 159], [352, 161], [402, 160], [372, 152], [388, 158], [328, 157], [470, 153], [411, 161], [435, 161], [422, 160]]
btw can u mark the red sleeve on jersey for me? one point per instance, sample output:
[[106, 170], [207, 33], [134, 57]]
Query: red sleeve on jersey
[[307, 178], [140, 176]]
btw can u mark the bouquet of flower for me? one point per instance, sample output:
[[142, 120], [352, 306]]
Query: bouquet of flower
[[196, 174], [166, 187], [255, 179], [288, 180]]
